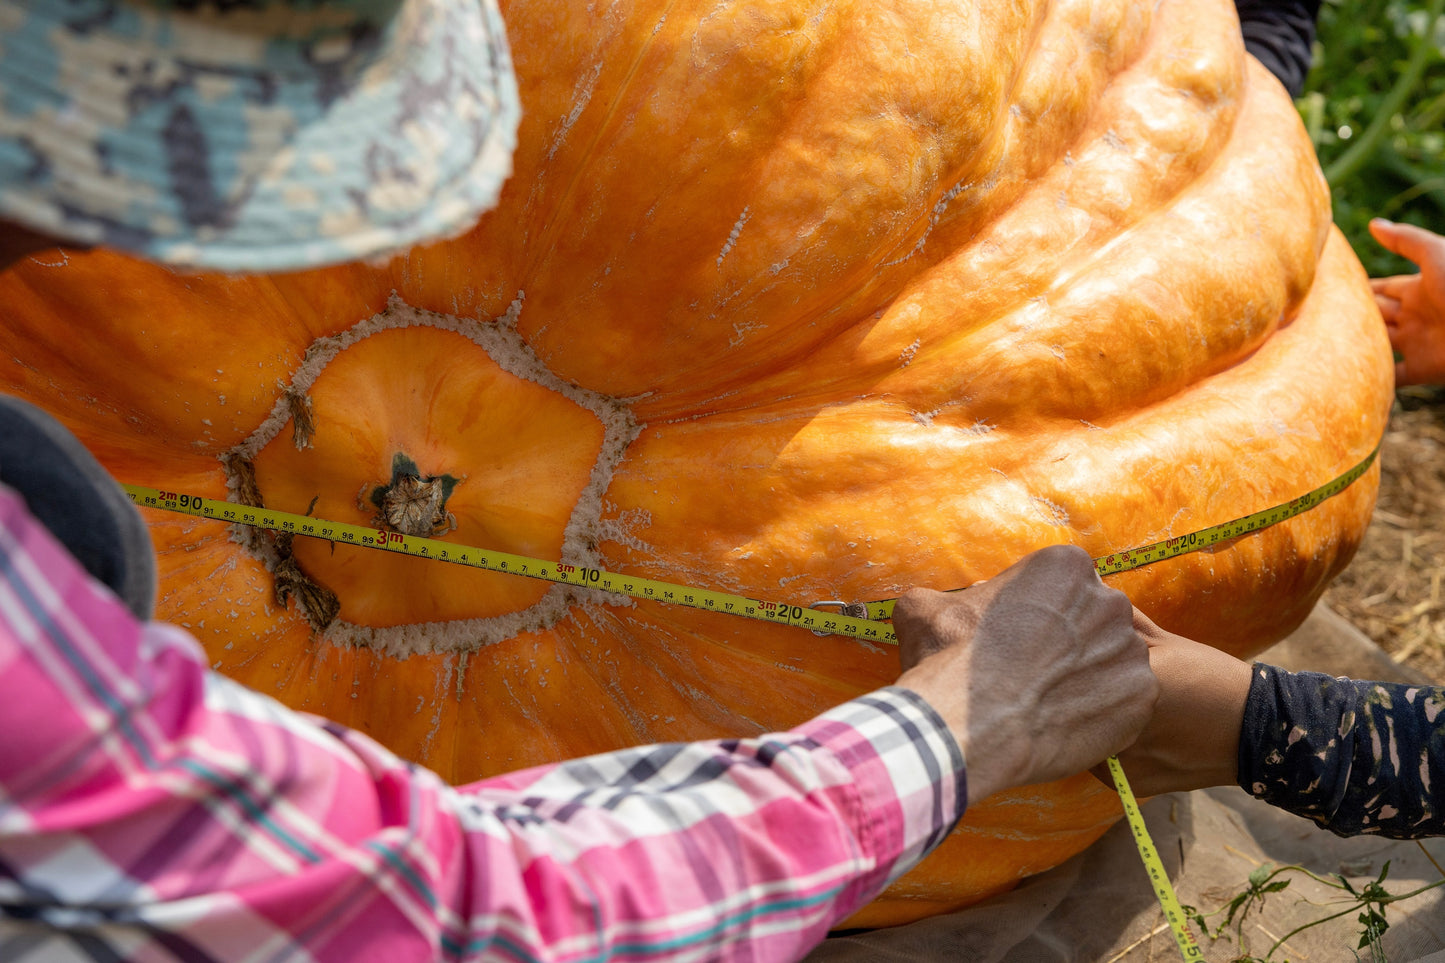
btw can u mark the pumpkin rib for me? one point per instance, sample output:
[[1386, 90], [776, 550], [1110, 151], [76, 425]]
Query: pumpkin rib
[[599, 354], [548, 237], [1126, 253], [821, 369]]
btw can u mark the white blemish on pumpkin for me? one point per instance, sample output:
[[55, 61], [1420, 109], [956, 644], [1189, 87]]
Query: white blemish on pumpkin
[[733, 235], [934, 217], [438, 698], [925, 418], [581, 97], [506, 347], [908, 354], [63, 262], [1052, 510], [622, 529], [741, 330]]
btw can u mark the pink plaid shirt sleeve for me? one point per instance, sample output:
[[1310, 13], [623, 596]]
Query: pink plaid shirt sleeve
[[153, 810]]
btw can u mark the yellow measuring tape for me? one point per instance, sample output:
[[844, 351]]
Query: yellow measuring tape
[[859, 620], [856, 620], [1158, 877]]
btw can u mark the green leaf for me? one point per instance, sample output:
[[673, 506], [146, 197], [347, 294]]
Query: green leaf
[[1233, 908]]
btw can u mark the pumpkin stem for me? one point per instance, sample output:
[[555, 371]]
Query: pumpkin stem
[[411, 503]]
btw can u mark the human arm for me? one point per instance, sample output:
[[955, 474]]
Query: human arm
[[1413, 305], [154, 803], [1353, 756], [1356, 757]]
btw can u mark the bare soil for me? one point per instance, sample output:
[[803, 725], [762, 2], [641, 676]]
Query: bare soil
[[1392, 590]]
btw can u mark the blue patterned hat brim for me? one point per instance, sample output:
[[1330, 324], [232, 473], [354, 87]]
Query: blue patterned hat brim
[[267, 136]]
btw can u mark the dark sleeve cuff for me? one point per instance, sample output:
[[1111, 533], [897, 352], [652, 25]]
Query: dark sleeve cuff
[[1355, 757], [1280, 34]]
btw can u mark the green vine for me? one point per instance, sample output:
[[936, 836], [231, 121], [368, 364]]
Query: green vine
[[1369, 901]]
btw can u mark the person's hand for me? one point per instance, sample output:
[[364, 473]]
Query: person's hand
[[1193, 739], [1038, 671], [1413, 305]]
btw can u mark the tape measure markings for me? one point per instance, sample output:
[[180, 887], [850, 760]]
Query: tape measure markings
[[505, 563], [1154, 866], [869, 627]]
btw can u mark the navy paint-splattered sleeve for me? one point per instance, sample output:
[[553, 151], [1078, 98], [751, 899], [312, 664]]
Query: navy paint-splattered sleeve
[[1280, 33], [1355, 757]]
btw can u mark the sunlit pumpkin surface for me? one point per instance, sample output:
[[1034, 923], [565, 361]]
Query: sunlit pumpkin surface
[[794, 300]]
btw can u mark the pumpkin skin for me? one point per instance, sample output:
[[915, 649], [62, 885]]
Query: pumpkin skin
[[793, 300]]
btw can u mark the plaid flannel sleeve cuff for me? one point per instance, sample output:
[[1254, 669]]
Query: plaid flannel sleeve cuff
[[908, 768]]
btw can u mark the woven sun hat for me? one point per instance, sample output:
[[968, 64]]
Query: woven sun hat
[[253, 135]]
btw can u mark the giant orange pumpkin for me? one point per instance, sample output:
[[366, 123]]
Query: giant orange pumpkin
[[793, 299]]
